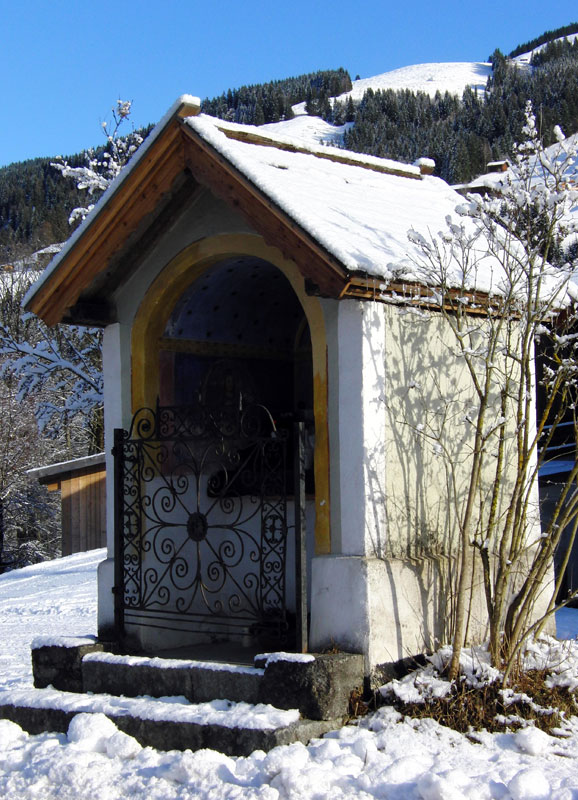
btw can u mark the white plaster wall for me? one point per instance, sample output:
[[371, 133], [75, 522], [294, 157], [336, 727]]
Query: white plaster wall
[[386, 608], [428, 393], [429, 401], [401, 450], [356, 375], [344, 588], [117, 414]]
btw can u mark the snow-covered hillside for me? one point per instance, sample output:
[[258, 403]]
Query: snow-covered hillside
[[385, 756], [450, 77], [525, 58]]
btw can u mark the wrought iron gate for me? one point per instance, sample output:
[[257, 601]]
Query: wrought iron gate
[[201, 522]]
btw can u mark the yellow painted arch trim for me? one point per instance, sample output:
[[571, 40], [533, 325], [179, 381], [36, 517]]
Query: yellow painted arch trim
[[158, 303]]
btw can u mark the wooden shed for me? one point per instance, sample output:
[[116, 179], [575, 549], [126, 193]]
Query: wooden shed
[[82, 485]]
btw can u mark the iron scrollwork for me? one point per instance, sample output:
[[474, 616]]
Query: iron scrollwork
[[204, 520]]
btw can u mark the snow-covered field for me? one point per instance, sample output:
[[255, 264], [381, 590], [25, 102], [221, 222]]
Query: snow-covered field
[[525, 58], [384, 756], [450, 76]]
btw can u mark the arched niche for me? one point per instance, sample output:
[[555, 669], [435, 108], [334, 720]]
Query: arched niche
[[233, 298]]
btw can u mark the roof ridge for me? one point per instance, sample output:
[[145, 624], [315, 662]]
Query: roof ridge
[[248, 137]]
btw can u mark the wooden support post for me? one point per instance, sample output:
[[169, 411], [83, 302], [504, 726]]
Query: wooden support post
[[118, 453], [300, 538]]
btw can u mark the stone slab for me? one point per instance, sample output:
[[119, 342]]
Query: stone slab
[[167, 735], [197, 683], [61, 667], [320, 689]]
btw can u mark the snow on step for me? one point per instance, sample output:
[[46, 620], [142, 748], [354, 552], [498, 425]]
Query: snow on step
[[168, 723], [172, 663], [198, 681], [164, 709]]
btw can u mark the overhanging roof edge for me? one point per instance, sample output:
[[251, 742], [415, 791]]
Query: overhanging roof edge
[[332, 261], [184, 103]]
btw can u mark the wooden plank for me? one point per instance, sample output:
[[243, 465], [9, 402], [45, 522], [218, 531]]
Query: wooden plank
[[412, 293], [74, 514], [249, 137], [101, 509], [137, 196], [65, 501], [89, 512]]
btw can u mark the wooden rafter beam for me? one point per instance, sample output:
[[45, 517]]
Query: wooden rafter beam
[[136, 196], [249, 137], [269, 220]]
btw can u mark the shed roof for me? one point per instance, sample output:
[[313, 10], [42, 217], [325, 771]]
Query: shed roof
[[64, 469]]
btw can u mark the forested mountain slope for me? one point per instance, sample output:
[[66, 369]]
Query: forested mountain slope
[[461, 131]]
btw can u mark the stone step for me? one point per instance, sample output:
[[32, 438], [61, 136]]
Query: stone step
[[236, 729], [318, 685], [198, 681]]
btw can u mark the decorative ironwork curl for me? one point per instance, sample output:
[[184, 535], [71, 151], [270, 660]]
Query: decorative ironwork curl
[[205, 519]]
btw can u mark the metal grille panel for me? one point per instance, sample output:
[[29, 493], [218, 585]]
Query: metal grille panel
[[201, 521]]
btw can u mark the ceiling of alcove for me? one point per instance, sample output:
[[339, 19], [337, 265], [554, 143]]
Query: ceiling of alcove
[[244, 301]]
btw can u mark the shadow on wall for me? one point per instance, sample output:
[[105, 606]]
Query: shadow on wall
[[423, 478]]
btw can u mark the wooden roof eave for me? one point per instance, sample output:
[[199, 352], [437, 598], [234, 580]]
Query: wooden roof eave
[[110, 226], [327, 275]]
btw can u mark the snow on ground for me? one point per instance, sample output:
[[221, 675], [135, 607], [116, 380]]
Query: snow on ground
[[384, 756], [452, 77], [55, 598]]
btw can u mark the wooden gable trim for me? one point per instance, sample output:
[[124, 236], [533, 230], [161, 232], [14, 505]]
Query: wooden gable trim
[[278, 230], [136, 196], [96, 310]]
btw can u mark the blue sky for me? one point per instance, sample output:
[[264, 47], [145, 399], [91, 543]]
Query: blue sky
[[65, 62]]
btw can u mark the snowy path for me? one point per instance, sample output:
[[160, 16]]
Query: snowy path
[[53, 598], [385, 757]]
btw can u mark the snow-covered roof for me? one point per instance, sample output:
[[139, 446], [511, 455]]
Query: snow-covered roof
[[359, 211], [306, 129], [351, 212], [64, 467]]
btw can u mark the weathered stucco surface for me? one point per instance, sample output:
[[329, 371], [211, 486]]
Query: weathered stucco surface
[[399, 453], [401, 444]]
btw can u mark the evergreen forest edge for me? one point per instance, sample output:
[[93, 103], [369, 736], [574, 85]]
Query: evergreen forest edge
[[461, 134]]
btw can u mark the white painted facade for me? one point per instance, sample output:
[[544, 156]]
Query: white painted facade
[[392, 440], [384, 588]]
